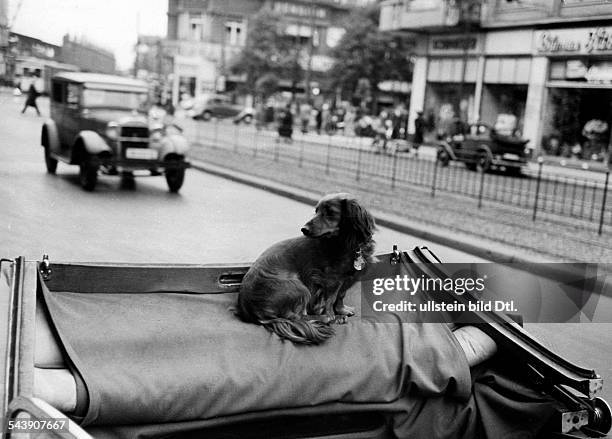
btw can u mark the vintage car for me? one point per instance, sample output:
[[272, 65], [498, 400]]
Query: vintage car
[[101, 123], [221, 106], [480, 147], [154, 351]]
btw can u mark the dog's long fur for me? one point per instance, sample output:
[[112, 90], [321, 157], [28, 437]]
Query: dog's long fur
[[296, 287]]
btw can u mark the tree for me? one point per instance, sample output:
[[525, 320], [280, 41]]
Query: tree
[[367, 55], [267, 54]]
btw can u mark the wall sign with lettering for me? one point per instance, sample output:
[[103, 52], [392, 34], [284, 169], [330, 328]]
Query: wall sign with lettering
[[574, 41]]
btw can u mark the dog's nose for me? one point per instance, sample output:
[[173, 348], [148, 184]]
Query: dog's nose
[[306, 231]]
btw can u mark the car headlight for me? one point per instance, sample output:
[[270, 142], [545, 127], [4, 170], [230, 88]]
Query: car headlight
[[112, 131]]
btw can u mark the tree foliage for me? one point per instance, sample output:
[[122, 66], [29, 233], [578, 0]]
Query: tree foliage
[[267, 54], [365, 52]]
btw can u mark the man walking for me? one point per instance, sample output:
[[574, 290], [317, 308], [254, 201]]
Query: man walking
[[31, 99]]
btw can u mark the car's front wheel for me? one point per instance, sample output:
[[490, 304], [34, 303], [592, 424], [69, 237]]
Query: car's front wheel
[[247, 119], [175, 179], [88, 174], [50, 162], [206, 115]]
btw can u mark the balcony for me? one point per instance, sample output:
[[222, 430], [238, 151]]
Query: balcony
[[425, 15]]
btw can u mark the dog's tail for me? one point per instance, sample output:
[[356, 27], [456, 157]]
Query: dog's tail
[[299, 330]]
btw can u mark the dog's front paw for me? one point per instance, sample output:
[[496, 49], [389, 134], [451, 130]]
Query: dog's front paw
[[345, 310]]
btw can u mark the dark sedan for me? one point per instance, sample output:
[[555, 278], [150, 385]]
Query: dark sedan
[[481, 147]]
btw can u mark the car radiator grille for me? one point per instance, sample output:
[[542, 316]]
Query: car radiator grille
[[141, 132]]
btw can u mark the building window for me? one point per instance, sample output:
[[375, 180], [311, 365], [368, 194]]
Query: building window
[[196, 27], [235, 34]]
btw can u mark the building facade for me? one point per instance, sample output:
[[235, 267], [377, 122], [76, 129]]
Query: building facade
[[205, 36], [546, 64], [87, 56]]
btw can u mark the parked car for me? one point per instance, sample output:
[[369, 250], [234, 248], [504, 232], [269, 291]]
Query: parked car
[[221, 106], [100, 123], [481, 147]]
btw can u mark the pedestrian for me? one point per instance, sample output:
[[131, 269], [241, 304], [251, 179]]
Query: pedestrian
[[319, 119], [305, 110], [419, 130], [285, 127], [31, 98]]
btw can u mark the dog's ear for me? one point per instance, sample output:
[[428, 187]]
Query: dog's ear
[[357, 219]]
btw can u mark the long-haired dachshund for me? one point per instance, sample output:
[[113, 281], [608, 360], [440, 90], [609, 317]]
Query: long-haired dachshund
[[296, 287]]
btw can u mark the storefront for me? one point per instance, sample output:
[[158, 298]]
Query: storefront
[[578, 102], [452, 75]]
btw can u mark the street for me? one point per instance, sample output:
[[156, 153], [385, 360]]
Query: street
[[210, 220]]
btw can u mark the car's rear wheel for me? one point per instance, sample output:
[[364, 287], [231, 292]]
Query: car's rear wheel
[[483, 163], [515, 171], [247, 119], [88, 174], [443, 158], [50, 162], [175, 177]]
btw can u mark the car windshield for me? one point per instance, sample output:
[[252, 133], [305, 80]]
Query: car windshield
[[115, 99]]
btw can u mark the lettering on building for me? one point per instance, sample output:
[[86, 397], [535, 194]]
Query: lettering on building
[[454, 44], [575, 41]]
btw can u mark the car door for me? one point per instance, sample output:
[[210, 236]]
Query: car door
[[57, 107], [72, 113]]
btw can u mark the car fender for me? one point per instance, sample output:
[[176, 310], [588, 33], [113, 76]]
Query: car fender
[[444, 146], [92, 143], [173, 144], [49, 136]]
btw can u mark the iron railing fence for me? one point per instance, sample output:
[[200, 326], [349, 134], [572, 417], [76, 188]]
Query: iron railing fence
[[562, 196]]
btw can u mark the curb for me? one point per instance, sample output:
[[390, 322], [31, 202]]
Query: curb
[[394, 222]]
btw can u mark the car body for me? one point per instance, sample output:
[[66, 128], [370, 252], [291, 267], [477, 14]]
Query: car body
[[221, 106], [101, 123], [480, 146], [31, 333]]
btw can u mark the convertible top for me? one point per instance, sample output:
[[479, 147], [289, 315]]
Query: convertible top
[[172, 358]]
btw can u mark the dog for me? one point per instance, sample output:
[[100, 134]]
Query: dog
[[296, 287]]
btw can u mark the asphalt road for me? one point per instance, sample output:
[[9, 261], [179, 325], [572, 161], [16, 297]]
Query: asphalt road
[[210, 220]]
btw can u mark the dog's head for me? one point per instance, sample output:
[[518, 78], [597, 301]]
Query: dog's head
[[340, 214]]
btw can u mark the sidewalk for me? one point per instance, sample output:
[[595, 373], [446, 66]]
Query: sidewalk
[[495, 232]]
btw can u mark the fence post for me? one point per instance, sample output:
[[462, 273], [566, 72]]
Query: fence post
[[301, 151], [255, 139], [394, 170], [603, 202], [435, 176], [358, 174], [537, 194], [276, 149], [328, 153], [235, 137], [216, 131], [480, 192]]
